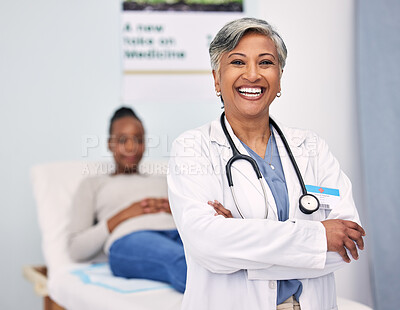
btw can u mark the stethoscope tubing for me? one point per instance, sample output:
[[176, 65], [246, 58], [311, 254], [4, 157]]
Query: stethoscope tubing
[[236, 155], [299, 177], [289, 151]]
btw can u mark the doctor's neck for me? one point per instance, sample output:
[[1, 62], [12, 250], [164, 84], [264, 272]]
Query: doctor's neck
[[253, 131]]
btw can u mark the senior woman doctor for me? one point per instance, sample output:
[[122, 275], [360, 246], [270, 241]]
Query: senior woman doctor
[[239, 259]]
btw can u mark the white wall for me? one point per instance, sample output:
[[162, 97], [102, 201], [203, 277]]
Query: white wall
[[60, 81]]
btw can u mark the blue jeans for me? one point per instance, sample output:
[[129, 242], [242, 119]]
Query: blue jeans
[[154, 255]]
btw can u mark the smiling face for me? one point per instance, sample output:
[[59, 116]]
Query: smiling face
[[249, 77], [127, 144]]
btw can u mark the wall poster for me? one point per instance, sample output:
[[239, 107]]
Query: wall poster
[[165, 47]]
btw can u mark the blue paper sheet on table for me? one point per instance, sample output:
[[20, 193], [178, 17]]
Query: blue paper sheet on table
[[101, 275]]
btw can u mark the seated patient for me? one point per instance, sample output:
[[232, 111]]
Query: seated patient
[[127, 214]]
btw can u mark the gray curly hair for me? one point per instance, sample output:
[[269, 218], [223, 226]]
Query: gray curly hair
[[229, 36]]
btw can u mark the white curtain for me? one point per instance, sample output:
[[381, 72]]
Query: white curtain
[[378, 58]]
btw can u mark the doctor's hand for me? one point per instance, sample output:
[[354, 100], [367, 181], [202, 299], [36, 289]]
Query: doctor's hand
[[342, 235], [219, 209]]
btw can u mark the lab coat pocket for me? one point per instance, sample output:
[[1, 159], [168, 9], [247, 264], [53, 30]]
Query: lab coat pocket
[[324, 211]]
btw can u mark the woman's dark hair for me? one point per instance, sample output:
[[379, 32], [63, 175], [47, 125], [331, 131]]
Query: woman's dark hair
[[120, 113]]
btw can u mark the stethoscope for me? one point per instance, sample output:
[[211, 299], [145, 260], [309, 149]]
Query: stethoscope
[[307, 203]]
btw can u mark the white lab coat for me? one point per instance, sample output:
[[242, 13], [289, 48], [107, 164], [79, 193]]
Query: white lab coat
[[234, 263]]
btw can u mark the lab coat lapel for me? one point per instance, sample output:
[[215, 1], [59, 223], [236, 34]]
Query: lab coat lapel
[[295, 141], [241, 166]]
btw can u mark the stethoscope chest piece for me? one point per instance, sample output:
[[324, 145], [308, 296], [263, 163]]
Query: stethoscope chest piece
[[308, 203]]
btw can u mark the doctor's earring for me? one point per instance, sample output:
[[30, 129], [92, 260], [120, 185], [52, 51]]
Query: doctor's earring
[[218, 93], [279, 94]]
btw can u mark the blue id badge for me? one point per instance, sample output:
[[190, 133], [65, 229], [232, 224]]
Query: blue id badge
[[328, 197]]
